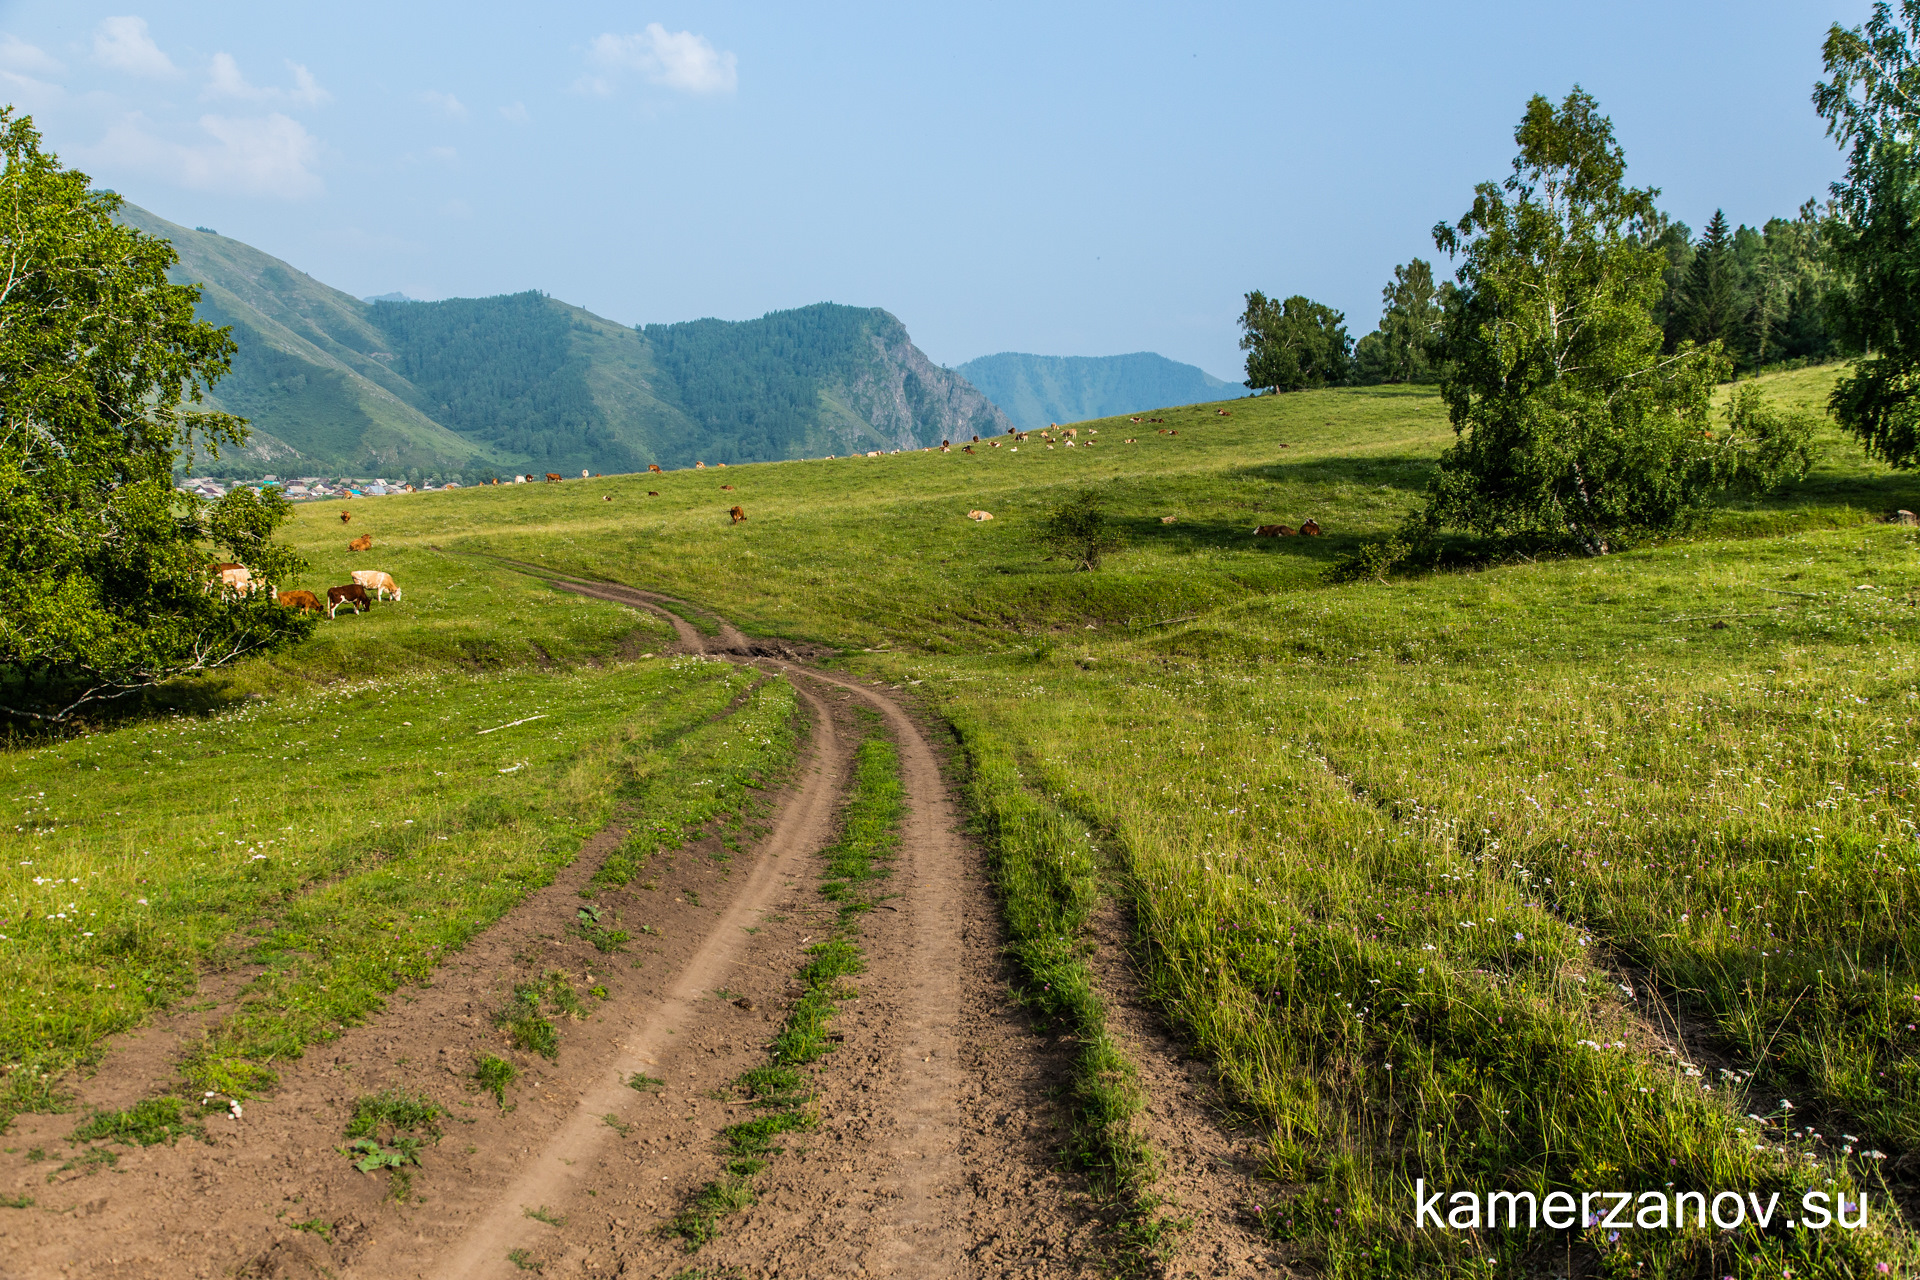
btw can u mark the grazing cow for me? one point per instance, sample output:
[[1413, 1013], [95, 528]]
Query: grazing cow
[[726, 486], [1174, 432], [606, 498], [553, 477], [653, 493], [345, 516], [979, 515], [1168, 519], [654, 468], [737, 514], [1072, 432], [721, 465], [353, 593], [1273, 531], [376, 581], [234, 577], [361, 543], [304, 601], [583, 475], [1311, 528]]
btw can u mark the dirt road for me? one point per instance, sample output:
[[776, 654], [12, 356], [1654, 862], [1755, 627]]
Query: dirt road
[[935, 1153]]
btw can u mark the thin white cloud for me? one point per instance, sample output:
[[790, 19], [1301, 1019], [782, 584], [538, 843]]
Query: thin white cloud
[[305, 88], [445, 103], [225, 81], [124, 45], [17, 55], [269, 155], [515, 113], [674, 59]]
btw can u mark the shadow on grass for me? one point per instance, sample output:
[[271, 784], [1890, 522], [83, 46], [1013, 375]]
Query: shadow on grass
[[1389, 471]]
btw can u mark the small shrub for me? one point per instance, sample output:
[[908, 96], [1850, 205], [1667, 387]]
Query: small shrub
[[494, 1075], [643, 1082], [1079, 531]]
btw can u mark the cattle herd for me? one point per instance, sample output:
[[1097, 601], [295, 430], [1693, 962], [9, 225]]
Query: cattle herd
[[238, 579]]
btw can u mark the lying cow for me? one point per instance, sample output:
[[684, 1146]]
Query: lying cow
[[1311, 528], [1273, 531], [376, 581], [304, 601], [979, 515], [353, 593], [361, 543], [654, 468]]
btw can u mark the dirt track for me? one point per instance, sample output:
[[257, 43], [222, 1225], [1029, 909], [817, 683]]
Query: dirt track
[[936, 1149]]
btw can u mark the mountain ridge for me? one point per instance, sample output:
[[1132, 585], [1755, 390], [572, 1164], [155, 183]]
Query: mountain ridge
[[1036, 390], [484, 386]]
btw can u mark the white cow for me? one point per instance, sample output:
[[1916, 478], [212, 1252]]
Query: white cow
[[376, 581]]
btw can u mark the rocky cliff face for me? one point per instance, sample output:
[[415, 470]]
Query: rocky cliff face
[[911, 402]]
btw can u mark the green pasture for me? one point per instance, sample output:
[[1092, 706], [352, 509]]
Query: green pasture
[[1558, 875]]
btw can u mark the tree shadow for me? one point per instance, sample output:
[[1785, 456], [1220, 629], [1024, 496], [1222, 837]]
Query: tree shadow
[[190, 696], [1384, 471]]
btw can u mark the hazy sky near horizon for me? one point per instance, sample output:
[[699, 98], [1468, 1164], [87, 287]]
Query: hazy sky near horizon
[[1067, 179]]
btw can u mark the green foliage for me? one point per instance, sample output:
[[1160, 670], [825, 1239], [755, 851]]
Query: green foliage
[[1079, 532], [102, 369], [1294, 345], [143, 1124], [525, 1018], [1405, 348], [394, 1110], [1573, 428], [643, 1082], [588, 924], [242, 525], [494, 1075], [1870, 107], [1765, 446]]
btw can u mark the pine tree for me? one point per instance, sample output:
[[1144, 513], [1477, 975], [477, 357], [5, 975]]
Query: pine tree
[[1715, 302]]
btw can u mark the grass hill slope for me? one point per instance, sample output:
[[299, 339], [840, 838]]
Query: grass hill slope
[[526, 382], [1037, 390]]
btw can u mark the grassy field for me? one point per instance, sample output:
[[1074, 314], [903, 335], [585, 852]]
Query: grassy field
[[345, 816], [1551, 876]]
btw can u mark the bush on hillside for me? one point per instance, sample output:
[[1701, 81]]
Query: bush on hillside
[[1079, 531]]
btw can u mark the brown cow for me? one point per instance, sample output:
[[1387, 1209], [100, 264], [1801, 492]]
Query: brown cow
[[1223, 413], [552, 476], [1311, 528], [353, 593], [305, 601], [1273, 531], [345, 516], [655, 468], [737, 514], [361, 543], [726, 486], [653, 493], [606, 498]]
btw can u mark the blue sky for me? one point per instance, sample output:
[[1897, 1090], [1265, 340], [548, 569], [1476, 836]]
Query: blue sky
[[1062, 179]]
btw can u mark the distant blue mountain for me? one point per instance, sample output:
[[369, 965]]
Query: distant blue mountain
[[1036, 390], [378, 297]]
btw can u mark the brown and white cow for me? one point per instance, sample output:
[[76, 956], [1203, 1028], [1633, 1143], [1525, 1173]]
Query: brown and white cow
[[353, 593], [1273, 531], [738, 515], [1311, 528], [654, 467], [376, 581]]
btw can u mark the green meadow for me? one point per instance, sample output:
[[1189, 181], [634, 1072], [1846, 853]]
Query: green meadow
[[1582, 875]]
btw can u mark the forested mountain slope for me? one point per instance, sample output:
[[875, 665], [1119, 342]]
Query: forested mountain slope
[[473, 387], [1036, 390]]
